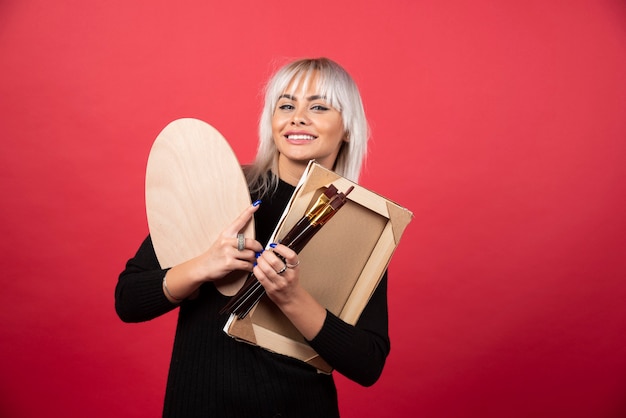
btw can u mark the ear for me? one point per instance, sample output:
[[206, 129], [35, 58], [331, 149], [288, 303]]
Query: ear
[[346, 137]]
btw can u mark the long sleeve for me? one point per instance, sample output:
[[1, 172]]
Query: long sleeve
[[358, 352], [139, 293]]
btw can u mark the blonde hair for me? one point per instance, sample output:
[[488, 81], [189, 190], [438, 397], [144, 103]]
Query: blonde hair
[[340, 90]]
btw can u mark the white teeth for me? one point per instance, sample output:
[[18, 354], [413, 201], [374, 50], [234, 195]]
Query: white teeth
[[301, 137]]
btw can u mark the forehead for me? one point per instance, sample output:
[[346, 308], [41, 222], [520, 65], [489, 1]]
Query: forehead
[[309, 84], [303, 83]]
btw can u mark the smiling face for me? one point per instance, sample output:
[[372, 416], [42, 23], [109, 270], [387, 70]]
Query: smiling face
[[305, 127]]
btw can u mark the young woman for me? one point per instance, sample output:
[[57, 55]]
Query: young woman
[[313, 110]]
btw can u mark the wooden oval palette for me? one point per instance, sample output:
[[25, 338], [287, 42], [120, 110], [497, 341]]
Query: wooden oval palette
[[195, 188]]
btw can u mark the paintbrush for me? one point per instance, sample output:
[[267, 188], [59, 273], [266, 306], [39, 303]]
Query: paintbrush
[[326, 206]]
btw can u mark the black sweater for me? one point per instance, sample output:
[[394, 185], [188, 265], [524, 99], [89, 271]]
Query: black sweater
[[213, 375]]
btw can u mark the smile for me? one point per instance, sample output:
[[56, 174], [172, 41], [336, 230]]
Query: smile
[[301, 137]]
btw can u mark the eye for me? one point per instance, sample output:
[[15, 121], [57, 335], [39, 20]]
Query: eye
[[286, 106], [319, 107]]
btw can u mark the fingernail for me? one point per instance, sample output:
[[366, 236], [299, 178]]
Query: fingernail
[[257, 203], [259, 254], [273, 245], [254, 265]]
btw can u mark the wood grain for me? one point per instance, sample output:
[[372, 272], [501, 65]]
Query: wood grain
[[195, 188]]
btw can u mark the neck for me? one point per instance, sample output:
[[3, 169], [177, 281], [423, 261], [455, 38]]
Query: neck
[[290, 171]]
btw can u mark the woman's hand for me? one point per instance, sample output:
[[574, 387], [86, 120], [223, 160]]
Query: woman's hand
[[278, 271], [221, 258]]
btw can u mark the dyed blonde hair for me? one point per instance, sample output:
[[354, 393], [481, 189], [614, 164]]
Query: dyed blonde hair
[[341, 92]]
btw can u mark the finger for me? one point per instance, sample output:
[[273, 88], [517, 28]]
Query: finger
[[249, 244], [242, 220], [261, 271], [243, 265], [273, 263], [246, 254], [287, 254]]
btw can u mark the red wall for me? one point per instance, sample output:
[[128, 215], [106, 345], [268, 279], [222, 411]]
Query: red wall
[[501, 125]]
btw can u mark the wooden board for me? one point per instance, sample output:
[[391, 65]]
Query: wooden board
[[195, 188]]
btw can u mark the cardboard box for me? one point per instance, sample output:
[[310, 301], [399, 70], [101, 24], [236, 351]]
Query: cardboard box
[[341, 266]]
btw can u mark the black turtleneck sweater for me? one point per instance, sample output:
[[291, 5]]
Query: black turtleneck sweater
[[213, 375]]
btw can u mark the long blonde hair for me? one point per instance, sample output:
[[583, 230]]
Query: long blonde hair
[[334, 83]]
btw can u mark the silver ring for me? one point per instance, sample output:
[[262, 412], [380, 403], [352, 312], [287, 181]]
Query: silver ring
[[281, 271], [292, 266], [241, 242]]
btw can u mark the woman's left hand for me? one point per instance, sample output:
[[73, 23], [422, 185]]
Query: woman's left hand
[[278, 271]]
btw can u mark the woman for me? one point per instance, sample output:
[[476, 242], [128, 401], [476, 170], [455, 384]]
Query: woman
[[312, 110]]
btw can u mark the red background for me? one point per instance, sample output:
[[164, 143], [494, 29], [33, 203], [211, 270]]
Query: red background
[[500, 124]]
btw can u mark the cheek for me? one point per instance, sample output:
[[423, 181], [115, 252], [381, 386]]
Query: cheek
[[335, 130], [335, 127], [278, 123]]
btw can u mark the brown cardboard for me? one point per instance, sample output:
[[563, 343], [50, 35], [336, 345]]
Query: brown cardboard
[[341, 266]]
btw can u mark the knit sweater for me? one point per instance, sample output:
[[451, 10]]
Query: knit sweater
[[213, 375]]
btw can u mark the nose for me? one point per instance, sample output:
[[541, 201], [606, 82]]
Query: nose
[[299, 118]]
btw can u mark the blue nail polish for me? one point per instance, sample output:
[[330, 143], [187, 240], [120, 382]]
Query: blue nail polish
[[257, 255], [273, 245], [257, 203], [254, 265]]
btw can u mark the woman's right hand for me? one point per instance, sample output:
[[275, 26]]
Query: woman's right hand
[[221, 258]]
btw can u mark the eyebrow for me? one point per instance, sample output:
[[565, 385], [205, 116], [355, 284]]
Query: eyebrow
[[310, 98]]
